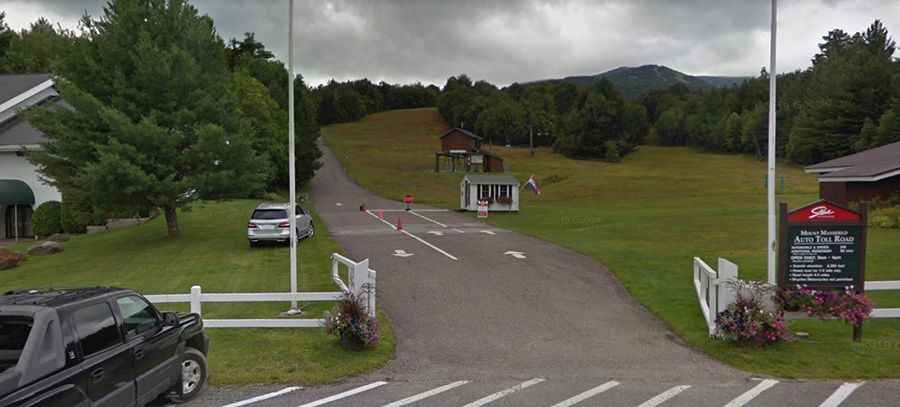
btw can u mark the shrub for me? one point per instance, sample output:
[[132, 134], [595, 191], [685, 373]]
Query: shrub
[[888, 218], [350, 322], [74, 219], [747, 321], [46, 219]]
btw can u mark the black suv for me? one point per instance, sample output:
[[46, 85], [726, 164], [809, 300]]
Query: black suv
[[96, 347]]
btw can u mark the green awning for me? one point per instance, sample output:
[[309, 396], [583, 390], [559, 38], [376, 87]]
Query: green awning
[[15, 192]]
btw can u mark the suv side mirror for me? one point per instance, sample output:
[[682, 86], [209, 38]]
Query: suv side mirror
[[171, 319]]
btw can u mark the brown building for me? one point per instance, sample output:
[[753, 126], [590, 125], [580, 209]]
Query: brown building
[[460, 140], [860, 177], [462, 150]]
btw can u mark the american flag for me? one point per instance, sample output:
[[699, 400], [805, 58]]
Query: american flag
[[533, 185]]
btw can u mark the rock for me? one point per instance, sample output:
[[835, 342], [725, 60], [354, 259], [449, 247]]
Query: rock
[[10, 259], [59, 237], [45, 248]]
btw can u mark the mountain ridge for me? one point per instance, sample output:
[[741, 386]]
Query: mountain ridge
[[636, 81]]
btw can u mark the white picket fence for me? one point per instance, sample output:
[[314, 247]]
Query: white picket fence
[[712, 292], [361, 283], [714, 295]]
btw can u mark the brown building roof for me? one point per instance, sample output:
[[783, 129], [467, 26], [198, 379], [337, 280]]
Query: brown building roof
[[463, 131], [865, 166]]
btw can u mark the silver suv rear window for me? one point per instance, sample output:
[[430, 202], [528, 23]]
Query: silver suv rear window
[[13, 335], [269, 214]]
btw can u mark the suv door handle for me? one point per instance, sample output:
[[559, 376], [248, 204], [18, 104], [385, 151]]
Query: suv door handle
[[139, 353], [97, 375]]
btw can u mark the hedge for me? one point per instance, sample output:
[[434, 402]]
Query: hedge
[[46, 219]]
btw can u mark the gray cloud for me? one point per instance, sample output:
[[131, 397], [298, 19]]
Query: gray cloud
[[517, 40]]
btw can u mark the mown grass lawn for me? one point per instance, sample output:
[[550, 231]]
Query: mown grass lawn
[[645, 218], [213, 252]]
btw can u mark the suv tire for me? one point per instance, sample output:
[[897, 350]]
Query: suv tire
[[192, 376]]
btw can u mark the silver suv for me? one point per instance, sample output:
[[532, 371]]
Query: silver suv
[[270, 223]]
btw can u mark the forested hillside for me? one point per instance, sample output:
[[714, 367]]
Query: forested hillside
[[846, 101], [634, 82]]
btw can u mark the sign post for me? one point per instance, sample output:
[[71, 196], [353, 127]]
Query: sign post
[[823, 246]]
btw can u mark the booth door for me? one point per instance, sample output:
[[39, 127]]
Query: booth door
[[18, 217], [467, 195]]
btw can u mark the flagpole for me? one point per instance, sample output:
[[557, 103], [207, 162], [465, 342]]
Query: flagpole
[[292, 188], [772, 264]]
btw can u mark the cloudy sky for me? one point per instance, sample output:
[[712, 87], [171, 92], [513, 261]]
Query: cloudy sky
[[516, 40]]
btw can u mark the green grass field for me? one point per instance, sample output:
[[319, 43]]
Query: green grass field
[[213, 252], [645, 218]]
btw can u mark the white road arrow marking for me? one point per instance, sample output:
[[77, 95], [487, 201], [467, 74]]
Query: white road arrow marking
[[436, 233], [518, 255], [488, 232], [402, 253]]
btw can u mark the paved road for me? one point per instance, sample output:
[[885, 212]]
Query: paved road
[[488, 316]]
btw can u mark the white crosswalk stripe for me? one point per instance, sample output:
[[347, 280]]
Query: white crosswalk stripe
[[664, 396], [841, 394], [501, 394], [345, 394], [262, 397], [587, 394], [752, 393], [427, 394]]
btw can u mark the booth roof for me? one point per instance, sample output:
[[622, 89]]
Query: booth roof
[[491, 179]]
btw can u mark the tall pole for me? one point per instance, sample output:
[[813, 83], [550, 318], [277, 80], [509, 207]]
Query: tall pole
[[531, 139], [291, 170], [771, 177]]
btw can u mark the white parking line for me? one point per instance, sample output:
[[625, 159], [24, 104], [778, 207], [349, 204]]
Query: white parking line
[[438, 249], [664, 396], [262, 397], [427, 394], [587, 394], [752, 393], [840, 394], [345, 394], [501, 394], [428, 219]]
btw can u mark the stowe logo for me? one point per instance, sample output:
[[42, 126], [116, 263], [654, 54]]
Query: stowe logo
[[821, 212]]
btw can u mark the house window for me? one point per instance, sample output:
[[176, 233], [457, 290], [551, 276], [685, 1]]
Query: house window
[[504, 191]]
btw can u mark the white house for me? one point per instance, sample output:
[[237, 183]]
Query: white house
[[501, 192], [21, 188]]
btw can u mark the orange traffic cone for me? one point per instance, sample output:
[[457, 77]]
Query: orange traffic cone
[[399, 224]]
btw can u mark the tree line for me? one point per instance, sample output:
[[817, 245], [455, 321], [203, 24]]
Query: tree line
[[846, 101], [593, 121]]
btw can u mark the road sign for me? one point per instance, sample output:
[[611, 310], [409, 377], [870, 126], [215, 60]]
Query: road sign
[[823, 245]]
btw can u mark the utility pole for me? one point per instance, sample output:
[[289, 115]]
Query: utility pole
[[292, 187], [531, 139], [772, 122]]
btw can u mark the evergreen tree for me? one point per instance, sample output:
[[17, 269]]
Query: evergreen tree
[[867, 136], [155, 121]]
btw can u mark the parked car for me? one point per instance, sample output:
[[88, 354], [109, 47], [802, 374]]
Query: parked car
[[269, 222], [96, 347]]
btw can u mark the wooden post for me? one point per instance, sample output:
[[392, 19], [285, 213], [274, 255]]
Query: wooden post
[[196, 306]]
